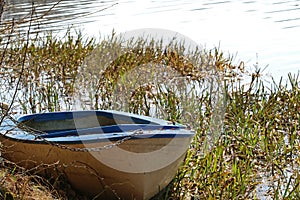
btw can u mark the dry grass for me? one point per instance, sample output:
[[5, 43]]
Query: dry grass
[[258, 147], [254, 156], [16, 184]]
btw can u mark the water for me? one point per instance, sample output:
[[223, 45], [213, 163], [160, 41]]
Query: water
[[257, 32]]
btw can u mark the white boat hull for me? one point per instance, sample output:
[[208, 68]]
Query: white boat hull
[[86, 172]]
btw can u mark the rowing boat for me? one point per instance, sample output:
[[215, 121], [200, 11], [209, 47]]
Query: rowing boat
[[103, 154]]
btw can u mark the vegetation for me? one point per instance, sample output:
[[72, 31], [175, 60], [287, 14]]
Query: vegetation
[[247, 140], [257, 156]]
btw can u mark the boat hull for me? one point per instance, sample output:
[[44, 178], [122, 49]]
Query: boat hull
[[117, 171], [104, 154]]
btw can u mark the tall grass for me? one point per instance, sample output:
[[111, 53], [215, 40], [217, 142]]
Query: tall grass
[[252, 130], [258, 150]]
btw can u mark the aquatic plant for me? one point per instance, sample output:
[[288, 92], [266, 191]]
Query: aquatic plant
[[255, 156]]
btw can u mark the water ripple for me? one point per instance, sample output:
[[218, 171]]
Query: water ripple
[[241, 24]]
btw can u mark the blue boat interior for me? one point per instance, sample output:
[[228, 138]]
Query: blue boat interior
[[108, 129], [63, 124]]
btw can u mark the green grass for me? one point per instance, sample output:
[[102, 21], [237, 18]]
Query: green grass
[[258, 132]]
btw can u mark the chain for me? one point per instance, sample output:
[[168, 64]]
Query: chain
[[37, 135], [95, 149]]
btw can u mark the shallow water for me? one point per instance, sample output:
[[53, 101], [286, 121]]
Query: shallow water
[[258, 32]]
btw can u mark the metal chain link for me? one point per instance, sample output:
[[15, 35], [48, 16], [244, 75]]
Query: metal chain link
[[37, 134]]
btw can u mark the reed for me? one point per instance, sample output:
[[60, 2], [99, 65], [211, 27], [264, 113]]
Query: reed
[[255, 154], [254, 151]]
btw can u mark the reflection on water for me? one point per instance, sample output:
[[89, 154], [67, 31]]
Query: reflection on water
[[53, 14], [266, 32], [72, 12], [260, 31]]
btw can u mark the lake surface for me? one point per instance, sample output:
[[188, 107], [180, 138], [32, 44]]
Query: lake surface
[[257, 32]]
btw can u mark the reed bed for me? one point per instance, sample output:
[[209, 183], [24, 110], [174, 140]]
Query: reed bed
[[257, 155], [247, 140]]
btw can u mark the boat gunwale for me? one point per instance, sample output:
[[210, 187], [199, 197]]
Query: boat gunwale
[[120, 128], [152, 129], [111, 137], [67, 115]]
